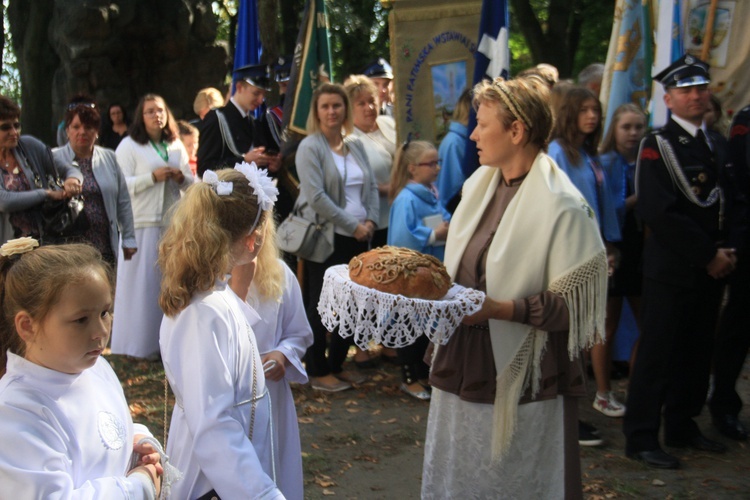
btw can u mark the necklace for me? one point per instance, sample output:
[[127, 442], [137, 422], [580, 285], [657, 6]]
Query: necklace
[[161, 149], [9, 160]]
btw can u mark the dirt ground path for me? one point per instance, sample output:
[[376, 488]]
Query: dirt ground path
[[367, 444]]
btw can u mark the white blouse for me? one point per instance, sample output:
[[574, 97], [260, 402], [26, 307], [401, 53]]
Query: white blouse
[[66, 436]]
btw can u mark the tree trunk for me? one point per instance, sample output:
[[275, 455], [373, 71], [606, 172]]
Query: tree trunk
[[37, 63], [267, 22], [554, 42]]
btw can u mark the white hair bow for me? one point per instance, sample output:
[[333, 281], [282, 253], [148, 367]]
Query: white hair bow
[[261, 183], [222, 188]]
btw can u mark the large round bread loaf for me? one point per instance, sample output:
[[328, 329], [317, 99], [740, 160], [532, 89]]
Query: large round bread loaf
[[401, 271]]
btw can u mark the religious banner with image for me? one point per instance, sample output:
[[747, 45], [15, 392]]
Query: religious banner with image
[[432, 54], [729, 54]]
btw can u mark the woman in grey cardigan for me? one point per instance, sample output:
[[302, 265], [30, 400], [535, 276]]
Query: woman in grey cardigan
[[107, 207], [24, 163], [338, 185]]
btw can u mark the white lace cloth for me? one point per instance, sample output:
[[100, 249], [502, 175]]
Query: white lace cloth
[[391, 320], [458, 460]]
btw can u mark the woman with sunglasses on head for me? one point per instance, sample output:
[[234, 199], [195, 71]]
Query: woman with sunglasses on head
[[107, 201], [155, 165], [24, 163]]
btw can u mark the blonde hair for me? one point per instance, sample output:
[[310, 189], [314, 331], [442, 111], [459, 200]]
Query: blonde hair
[[207, 98], [269, 276], [35, 281], [313, 121], [609, 143], [196, 248], [522, 99], [357, 84], [463, 106], [407, 154]]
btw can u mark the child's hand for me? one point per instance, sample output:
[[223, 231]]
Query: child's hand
[[275, 371], [148, 455], [441, 232]]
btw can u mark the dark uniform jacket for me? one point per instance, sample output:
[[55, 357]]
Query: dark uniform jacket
[[738, 172], [213, 153], [681, 236]]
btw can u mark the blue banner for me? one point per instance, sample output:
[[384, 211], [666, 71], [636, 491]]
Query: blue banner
[[492, 59], [247, 49], [631, 58]]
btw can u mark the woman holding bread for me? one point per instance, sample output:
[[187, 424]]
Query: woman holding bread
[[338, 189], [503, 416]]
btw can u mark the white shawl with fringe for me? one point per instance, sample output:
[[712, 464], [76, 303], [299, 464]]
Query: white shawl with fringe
[[548, 239]]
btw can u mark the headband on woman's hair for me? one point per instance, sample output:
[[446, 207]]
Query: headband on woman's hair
[[510, 101], [18, 246], [263, 188]]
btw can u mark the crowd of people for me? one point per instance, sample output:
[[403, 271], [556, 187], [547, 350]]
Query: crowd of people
[[566, 217]]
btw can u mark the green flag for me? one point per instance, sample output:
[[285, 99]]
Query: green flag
[[311, 66]]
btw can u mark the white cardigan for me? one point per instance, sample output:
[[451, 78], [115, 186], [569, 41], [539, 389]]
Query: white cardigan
[[151, 200]]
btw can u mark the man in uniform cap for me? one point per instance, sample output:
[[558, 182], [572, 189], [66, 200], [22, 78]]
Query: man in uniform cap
[[381, 73], [228, 134], [688, 251]]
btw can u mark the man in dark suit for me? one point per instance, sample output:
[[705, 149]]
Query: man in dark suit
[[733, 335], [687, 252], [228, 135]]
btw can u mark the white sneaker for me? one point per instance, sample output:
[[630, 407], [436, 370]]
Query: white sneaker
[[609, 406]]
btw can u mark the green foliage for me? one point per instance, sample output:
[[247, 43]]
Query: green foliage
[[358, 33], [595, 34], [10, 79]]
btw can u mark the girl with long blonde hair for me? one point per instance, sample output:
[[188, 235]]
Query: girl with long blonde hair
[[220, 434]]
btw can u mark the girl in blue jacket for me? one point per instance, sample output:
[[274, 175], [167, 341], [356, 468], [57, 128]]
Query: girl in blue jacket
[[419, 222]]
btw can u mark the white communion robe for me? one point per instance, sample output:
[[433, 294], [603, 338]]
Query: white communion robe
[[66, 436], [209, 352], [283, 327]]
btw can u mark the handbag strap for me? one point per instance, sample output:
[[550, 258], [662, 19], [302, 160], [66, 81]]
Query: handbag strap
[[44, 179]]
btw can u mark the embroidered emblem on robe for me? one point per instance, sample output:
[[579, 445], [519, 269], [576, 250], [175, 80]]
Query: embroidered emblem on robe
[[111, 430]]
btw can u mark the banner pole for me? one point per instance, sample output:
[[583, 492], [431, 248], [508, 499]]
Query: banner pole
[[709, 34]]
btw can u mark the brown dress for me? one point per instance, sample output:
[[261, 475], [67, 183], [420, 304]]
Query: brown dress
[[465, 366]]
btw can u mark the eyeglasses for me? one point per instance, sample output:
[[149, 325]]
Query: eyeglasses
[[74, 105], [431, 164], [5, 127], [152, 112]]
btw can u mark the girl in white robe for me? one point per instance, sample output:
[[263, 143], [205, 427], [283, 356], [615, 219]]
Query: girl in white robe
[[283, 334], [66, 428], [220, 431]]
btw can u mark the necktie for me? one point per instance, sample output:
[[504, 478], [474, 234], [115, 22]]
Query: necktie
[[701, 137]]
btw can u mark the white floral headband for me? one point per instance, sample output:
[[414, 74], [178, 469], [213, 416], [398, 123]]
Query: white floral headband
[[18, 246], [258, 179]]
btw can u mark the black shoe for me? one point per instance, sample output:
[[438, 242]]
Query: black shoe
[[658, 459], [588, 435], [700, 443], [730, 427]]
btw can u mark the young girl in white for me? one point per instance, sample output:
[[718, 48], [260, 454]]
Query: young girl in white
[[283, 335], [220, 435], [66, 428], [419, 222]]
